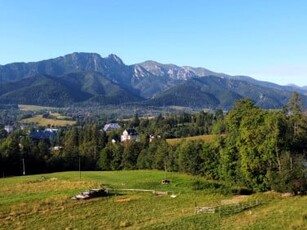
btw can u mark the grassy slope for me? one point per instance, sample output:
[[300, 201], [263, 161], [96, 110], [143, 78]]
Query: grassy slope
[[28, 203], [38, 119], [34, 108], [204, 138]]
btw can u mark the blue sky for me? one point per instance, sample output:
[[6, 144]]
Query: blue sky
[[264, 39]]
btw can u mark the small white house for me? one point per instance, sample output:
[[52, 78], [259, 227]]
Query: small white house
[[9, 128], [129, 134], [57, 148], [51, 130]]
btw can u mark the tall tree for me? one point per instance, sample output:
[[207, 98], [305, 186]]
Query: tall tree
[[210, 157], [229, 155], [253, 156], [11, 155], [105, 159], [299, 123], [295, 104], [71, 149], [117, 156], [131, 152], [189, 157]]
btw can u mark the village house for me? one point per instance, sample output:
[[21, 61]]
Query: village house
[[46, 134], [111, 126], [57, 148], [9, 128], [129, 134]]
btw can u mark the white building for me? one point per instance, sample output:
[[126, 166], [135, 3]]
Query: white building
[[129, 134], [9, 128]]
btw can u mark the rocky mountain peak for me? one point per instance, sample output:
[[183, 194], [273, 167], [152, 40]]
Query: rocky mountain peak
[[146, 80], [80, 56], [114, 58]]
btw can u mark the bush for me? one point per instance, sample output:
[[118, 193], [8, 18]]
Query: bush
[[241, 191], [203, 185], [211, 186], [217, 187]]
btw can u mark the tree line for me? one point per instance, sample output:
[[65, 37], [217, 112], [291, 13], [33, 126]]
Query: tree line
[[258, 149], [85, 143]]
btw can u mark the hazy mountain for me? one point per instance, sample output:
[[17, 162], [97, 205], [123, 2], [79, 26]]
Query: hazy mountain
[[215, 92], [89, 78], [292, 87], [39, 90], [81, 87]]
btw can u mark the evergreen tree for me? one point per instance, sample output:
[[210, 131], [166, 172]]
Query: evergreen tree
[[105, 159], [117, 156], [298, 122], [229, 155], [11, 155], [189, 157], [131, 152], [210, 157], [71, 149]]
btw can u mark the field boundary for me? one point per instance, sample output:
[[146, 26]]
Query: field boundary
[[229, 208], [145, 190]]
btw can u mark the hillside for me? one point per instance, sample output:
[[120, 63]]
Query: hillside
[[44, 201], [212, 92], [89, 79], [90, 87]]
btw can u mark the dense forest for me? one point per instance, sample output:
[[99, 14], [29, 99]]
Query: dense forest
[[254, 148]]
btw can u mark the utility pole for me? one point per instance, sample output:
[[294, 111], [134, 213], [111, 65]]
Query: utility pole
[[165, 171], [80, 167], [23, 167]]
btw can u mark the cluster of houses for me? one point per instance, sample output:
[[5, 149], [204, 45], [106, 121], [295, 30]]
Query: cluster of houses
[[11, 128], [45, 134], [48, 133]]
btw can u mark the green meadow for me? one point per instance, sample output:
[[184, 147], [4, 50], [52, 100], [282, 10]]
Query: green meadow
[[40, 120], [204, 138], [44, 202], [34, 108]]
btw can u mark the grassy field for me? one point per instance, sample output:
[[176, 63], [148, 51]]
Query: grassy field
[[204, 138], [40, 120], [34, 108], [33, 202], [59, 120]]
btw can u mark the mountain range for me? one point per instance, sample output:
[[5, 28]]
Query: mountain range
[[89, 79]]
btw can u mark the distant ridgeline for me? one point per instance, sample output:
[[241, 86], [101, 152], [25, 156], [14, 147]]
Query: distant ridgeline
[[88, 79]]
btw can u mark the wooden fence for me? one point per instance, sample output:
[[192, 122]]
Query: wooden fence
[[159, 193], [228, 209]]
